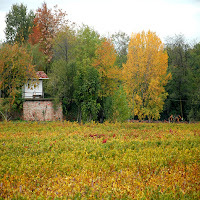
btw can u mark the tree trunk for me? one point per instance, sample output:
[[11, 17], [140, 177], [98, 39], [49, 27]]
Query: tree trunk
[[79, 115], [133, 106], [181, 106]]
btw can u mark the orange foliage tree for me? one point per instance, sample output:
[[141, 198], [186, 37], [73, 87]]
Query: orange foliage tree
[[46, 25], [15, 70], [105, 63], [145, 75]]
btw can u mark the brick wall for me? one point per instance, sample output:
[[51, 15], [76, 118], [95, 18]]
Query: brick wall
[[41, 110]]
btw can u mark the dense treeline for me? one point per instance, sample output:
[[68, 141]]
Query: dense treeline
[[184, 87], [95, 77]]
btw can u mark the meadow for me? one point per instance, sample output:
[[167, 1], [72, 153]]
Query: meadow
[[65, 160]]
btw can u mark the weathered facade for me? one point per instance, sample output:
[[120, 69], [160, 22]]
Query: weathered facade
[[41, 110], [34, 88], [35, 106]]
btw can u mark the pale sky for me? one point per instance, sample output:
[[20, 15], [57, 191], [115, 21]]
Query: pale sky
[[165, 17]]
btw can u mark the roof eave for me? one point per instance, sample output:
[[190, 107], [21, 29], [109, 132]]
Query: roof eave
[[43, 78]]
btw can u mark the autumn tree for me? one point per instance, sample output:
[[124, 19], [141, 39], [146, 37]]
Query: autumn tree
[[19, 24], [46, 25], [145, 75], [15, 70], [104, 62], [105, 57]]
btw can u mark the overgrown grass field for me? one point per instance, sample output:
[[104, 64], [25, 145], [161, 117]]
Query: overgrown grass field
[[65, 160]]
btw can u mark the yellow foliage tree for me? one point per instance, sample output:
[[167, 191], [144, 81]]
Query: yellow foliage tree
[[145, 75], [15, 69], [105, 64]]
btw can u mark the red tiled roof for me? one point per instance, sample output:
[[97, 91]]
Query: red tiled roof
[[41, 74]]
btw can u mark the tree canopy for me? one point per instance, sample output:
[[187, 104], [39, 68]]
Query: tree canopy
[[15, 69], [183, 88], [19, 24], [145, 75], [105, 57], [46, 25]]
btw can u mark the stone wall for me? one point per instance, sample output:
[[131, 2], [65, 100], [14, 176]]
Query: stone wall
[[41, 110]]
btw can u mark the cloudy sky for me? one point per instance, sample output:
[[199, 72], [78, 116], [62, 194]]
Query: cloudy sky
[[165, 17]]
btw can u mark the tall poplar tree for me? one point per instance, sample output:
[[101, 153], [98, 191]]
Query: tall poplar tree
[[19, 24], [86, 81], [104, 62], [145, 75]]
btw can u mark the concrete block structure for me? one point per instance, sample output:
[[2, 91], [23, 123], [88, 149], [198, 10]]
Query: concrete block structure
[[41, 110]]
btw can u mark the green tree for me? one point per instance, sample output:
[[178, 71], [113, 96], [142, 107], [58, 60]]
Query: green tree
[[72, 61], [63, 69], [19, 24], [64, 44], [38, 58], [118, 107], [87, 78], [87, 42], [60, 85], [86, 93], [194, 97], [121, 41], [180, 86]]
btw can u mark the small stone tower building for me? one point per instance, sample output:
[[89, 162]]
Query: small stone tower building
[[35, 106]]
